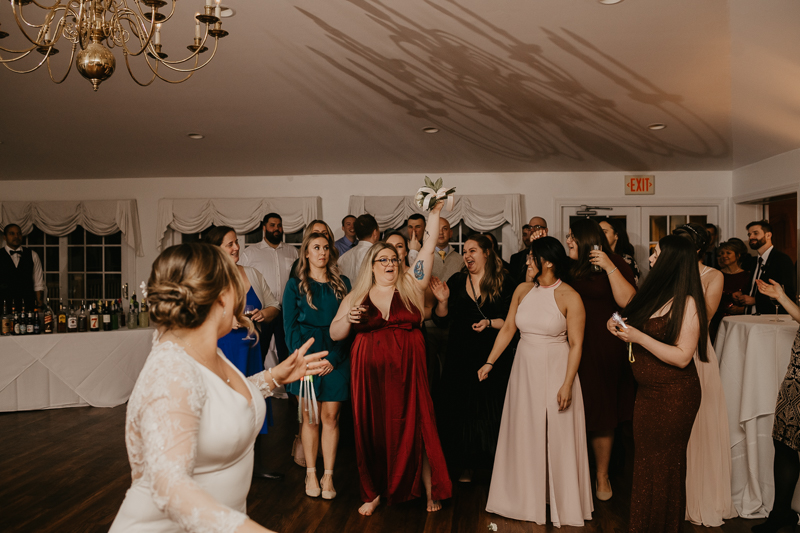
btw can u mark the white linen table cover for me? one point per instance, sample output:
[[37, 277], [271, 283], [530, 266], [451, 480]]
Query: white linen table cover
[[753, 356], [71, 369]]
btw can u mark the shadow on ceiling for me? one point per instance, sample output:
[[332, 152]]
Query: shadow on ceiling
[[507, 97]]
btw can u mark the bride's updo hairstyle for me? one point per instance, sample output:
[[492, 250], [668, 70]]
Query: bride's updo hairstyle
[[185, 282]]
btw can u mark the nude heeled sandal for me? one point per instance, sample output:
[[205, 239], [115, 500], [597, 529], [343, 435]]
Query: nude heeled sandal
[[328, 494], [314, 493]]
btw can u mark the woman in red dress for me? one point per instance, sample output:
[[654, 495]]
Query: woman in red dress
[[397, 445]]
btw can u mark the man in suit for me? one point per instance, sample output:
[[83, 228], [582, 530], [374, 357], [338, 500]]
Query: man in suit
[[21, 274], [771, 264], [519, 261]]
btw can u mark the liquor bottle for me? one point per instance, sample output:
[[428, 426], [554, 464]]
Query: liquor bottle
[[15, 319], [48, 318], [62, 317], [121, 311], [144, 316], [133, 314], [106, 313], [114, 315], [7, 319], [83, 320], [94, 319], [32, 323], [36, 328], [72, 320], [23, 320]]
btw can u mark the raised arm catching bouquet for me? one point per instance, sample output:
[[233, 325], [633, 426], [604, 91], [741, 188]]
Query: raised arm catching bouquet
[[432, 193]]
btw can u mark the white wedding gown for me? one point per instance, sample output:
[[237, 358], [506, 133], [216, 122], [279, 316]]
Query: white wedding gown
[[190, 444]]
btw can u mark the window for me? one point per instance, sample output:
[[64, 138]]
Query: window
[[81, 266], [461, 233], [663, 225]]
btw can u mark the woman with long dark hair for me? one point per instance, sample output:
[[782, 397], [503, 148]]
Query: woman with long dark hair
[[542, 446], [708, 457], [617, 236], [239, 347], [666, 326], [473, 304], [605, 282], [310, 302]]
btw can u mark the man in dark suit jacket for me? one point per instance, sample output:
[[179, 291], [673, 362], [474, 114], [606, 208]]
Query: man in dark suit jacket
[[771, 264], [519, 261]]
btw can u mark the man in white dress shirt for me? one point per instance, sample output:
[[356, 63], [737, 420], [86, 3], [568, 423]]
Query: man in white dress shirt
[[273, 258], [21, 274], [368, 234]]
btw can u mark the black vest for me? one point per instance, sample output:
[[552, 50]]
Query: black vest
[[16, 283]]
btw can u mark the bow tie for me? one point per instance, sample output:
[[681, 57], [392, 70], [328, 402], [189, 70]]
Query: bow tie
[[18, 252]]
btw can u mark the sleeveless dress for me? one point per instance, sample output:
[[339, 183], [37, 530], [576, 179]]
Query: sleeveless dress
[[301, 322], [245, 354], [667, 401], [541, 453], [786, 428], [708, 457], [190, 445], [392, 409], [606, 380]]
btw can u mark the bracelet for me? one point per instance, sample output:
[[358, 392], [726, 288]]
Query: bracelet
[[615, 269], [273, 377], [488, 363], [490, 322]]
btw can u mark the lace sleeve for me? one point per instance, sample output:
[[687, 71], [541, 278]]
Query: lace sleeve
[[263, 381], [171, 400]]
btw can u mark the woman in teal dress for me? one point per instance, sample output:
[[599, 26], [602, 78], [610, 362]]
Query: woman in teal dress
[[310, 302]]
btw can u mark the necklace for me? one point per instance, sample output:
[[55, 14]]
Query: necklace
[[189, 345]]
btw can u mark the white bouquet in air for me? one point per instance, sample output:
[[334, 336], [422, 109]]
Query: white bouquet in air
[[431, 193]]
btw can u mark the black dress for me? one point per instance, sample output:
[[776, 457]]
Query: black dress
[[786, 428], [667, 400], [468, 411]]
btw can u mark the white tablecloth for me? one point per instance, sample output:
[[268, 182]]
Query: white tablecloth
[[71, 369], [753, 355]]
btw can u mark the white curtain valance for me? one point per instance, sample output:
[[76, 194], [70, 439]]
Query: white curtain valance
[[60, 218], [479, 212], [242, 214]]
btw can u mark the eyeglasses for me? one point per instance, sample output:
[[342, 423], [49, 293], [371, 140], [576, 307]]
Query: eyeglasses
[[385, 261], [538, 227]]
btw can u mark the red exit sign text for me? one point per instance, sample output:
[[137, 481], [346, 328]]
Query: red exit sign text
[[640, 184]]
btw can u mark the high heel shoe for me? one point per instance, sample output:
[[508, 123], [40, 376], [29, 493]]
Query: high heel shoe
[[313, 492], [602, 495], [328, 494], [776, 521]]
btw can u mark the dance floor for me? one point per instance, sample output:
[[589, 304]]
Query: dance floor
[[66, 471]]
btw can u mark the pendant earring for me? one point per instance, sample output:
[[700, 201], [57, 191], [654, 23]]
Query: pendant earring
[[224, 312]]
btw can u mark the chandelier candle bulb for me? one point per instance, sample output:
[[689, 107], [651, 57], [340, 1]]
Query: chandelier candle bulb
[[196, 26], [208, 2], [218, 10], [158, 35]]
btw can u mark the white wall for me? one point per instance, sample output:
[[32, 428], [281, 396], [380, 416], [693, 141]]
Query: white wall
[[539, 191]]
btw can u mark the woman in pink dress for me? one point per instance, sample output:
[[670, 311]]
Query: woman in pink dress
[[541, 453]]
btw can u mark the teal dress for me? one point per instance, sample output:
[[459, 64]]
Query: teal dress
[[301, 322]]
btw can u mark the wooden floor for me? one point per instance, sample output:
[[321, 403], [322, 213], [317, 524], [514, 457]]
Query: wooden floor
[[66, 470]]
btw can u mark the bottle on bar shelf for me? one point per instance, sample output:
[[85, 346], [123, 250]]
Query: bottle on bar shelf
[[94, 318], [144, 316], [61, 327], [7, 320], [72, 320], [23, 320], [15, 319], [121, 313], [48, 318], [31, 322], [106, 313], [83, 318], [133, 314], [37, 328]]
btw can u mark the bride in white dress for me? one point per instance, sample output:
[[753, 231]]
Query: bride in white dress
[[192, 419]]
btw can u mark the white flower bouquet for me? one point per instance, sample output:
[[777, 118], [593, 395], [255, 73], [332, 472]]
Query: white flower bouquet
[[431, 193]]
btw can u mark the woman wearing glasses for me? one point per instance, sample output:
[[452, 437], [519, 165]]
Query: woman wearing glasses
[[397, 445], [474, 304]]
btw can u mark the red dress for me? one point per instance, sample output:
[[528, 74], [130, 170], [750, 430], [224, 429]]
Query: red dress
[[392, 407]]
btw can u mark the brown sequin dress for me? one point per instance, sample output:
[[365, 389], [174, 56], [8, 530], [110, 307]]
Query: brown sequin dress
[[667, 401], [786, 428]]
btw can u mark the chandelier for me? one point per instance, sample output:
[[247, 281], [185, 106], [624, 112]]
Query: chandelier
[[92, 28]]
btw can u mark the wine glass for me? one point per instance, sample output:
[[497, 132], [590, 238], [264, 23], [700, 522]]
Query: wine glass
[[249, 310], [596, 268], [777, 305]]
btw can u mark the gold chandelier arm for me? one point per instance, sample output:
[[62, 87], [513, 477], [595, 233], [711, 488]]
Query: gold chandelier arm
[[26, 71], [69, 65], [47, 8], [18, 17], [133, 25], [31, 49], [127, 64], [155, 71], [194, 55]]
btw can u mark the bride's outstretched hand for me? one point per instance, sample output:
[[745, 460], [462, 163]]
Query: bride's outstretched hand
[[299, 364]]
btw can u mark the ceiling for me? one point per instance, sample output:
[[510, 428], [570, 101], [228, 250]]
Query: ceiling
[[347, 86]]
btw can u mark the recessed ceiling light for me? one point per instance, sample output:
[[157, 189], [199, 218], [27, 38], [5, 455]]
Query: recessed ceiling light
[[430, 130], [609, 2], [657, 126], [196, 136], [226, 11]]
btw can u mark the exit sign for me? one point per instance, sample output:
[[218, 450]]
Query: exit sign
[[640, 184]]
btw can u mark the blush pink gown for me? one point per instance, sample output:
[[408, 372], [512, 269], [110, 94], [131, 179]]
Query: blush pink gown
[[541, 453]]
